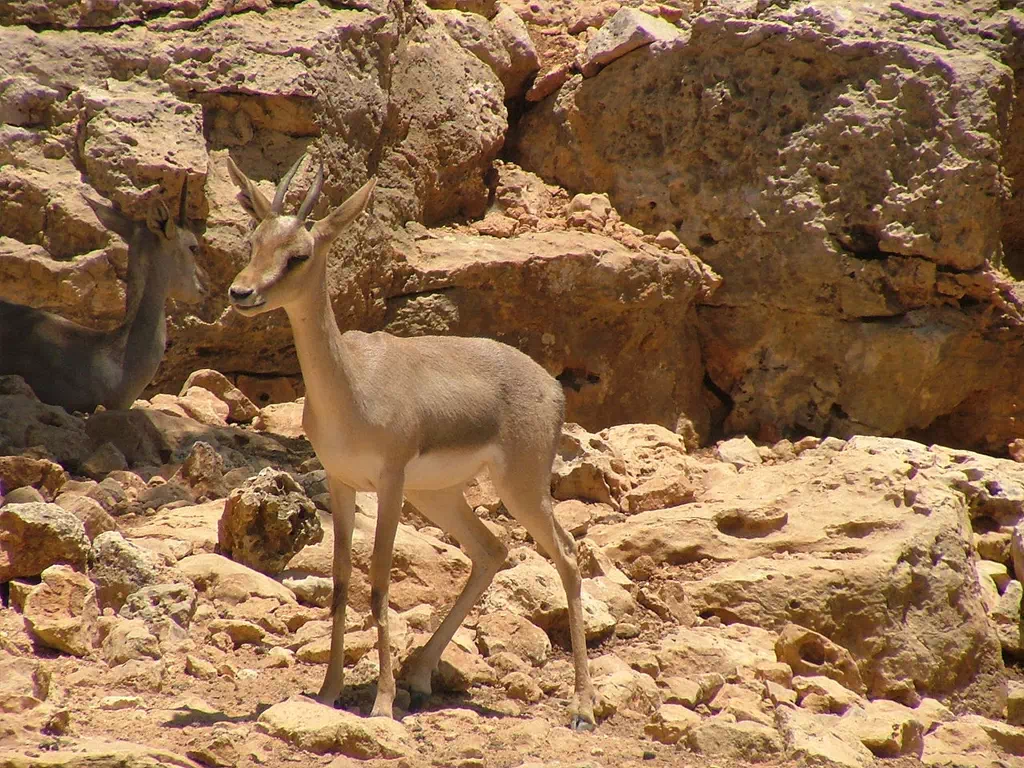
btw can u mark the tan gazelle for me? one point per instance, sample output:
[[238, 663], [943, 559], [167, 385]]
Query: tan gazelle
[[418, 417], [80, 368]]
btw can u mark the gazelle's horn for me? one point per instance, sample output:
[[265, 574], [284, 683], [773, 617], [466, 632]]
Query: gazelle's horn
[[313, 194], [275, 207]]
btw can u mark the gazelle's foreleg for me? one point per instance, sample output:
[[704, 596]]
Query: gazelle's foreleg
[[389, 509], [343, 510]]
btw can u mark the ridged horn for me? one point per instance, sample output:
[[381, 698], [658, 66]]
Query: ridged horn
[[282, 188], [313, 194]]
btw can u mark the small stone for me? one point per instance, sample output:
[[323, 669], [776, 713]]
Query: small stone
[[120, 702], [670, 723], [522, 687], [62, 611], [740, 452], [667, 240], [104, 460]]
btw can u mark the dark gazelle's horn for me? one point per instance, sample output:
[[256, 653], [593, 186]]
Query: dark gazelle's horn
[[275, 207], [183, 202], [313, 194]]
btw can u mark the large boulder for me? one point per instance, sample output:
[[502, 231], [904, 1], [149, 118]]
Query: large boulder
[[869, 546], [786, 149]]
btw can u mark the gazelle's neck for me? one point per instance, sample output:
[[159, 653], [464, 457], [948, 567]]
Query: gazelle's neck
[[144, 331], [319, 347]]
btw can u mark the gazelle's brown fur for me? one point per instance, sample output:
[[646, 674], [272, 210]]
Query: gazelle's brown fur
[[418, 417], [80, 368]]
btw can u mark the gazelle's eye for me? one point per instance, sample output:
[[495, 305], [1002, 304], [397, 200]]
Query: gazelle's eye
[[296, 258]]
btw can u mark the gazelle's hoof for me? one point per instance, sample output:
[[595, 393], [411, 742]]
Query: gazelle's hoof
[[581, 725], [418, 700]]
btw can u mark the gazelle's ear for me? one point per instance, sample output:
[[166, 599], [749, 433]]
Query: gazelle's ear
[[110, 216], [249, 196], [160, 221], [332, 225]]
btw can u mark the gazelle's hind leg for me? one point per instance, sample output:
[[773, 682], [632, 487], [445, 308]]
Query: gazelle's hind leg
[[530, 503], [450, 512]]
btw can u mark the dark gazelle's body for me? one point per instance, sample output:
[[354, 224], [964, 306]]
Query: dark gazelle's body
[[418, 417], [79, 368]]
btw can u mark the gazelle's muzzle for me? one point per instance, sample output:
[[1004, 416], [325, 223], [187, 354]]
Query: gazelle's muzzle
[[243, 298]]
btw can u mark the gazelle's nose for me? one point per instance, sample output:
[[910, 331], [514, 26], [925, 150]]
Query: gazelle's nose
[[239, 294]]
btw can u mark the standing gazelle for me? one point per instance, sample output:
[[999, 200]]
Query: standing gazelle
[[418, 417]]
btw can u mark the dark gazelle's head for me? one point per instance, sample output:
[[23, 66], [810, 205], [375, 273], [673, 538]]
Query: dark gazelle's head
[[285, 254], [165, 242]]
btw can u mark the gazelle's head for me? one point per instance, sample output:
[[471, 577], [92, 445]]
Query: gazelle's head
[[165, 244], [286, 255]]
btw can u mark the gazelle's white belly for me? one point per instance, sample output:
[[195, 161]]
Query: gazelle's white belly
[[433, 471]]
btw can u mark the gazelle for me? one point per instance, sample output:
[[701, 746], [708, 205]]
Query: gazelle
[[80, 368], [418, 417]]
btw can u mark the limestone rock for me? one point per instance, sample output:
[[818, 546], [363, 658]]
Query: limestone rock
[[766, 334], [99, 751], [27, 423], [821, 740], [203, 472], [886, 728], [691, 651], [622, 303], [504, 631], [895, 517], [129, 639], [283, 419], [153, 603], [626, 31], [824, 695], [587, 468], [62, 612], [24, 684], [620, 688], [810, 653], [535, 591], [95, 519], [671, 723], [240, 408], [267, 521], [233, 582], [740, 452], [35, 536], [314, 727], [121, 568], [21, 471], [723, 738], [460, 670], [971, 741], [1006, 616], [656, 460]]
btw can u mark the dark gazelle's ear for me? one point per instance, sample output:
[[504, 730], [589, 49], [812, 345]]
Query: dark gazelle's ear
[[332, 225], [249, 196], [183, 204], [112, 218], [160, 221]]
